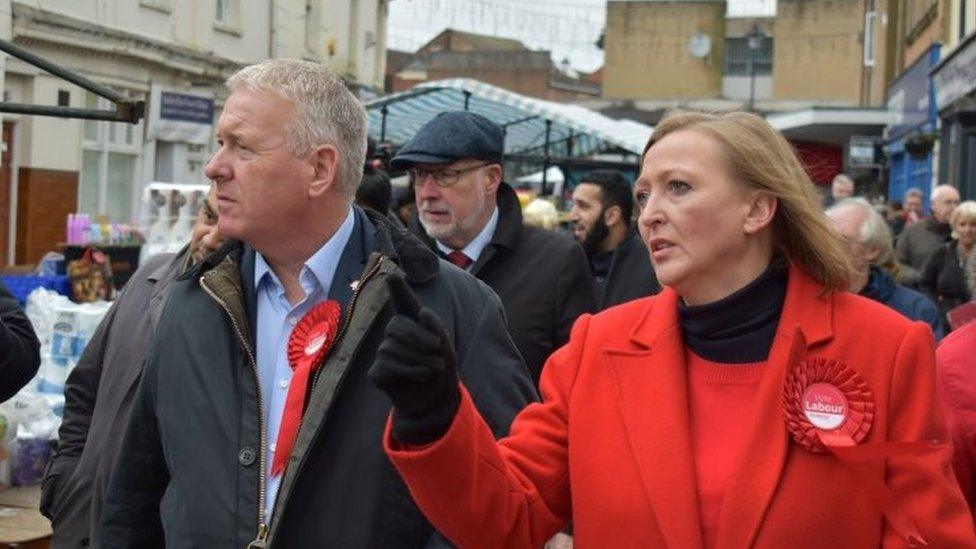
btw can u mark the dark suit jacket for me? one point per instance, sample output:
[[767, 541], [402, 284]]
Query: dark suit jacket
[[631, 275], [98, 398], [543, 279]]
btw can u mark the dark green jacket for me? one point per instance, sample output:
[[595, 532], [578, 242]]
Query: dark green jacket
[[190, 470]]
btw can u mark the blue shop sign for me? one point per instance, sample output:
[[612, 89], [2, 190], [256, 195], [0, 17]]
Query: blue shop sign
[[911, 98], [185, 107], [955, 76]]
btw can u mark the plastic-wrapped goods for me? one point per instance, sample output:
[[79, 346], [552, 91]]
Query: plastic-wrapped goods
[[169, 211], [64, 328], [29, 430]]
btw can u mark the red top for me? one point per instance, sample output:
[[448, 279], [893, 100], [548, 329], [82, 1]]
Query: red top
[[610, 446], [720, 403], [957, 384]]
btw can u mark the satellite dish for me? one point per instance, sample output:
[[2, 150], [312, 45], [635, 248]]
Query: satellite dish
[[699, 45]]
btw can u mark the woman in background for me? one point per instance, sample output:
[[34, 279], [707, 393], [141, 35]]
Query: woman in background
[[944, 275]]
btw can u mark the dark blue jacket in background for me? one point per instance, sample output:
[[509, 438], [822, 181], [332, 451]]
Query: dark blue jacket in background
[[914, 305]]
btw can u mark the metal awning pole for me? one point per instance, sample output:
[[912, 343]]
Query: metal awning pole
[[545, 164], [383, 113], [126, 110], [467, 99]]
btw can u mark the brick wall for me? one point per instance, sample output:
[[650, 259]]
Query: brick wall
[[44, 200]]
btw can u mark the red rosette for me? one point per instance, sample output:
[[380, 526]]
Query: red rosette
[[825, 377], [314, 334], [310, 340]]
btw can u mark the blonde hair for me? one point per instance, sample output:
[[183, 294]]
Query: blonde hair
[[763, 160], [325, 110], [541, 213], [965, 211]]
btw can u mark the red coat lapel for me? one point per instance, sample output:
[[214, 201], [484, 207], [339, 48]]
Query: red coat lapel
[[652, 389], [805, 321], [651, 384]]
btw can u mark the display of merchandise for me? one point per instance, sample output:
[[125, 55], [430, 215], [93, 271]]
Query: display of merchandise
[[82, 231], [169, 211], [30, 420], [63, 328]]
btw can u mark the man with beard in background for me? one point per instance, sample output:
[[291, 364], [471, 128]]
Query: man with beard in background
[[601, 216]]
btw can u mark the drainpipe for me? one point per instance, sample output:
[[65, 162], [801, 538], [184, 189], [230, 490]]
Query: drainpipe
[[272, 30]]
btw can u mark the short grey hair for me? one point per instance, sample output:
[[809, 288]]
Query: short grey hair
[[874, 229], [940, 190], [326, 112], [842, 178], [914, 191]]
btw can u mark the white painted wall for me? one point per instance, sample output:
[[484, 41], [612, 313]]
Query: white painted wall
[[54, 143], [189, 23], [737, 87]]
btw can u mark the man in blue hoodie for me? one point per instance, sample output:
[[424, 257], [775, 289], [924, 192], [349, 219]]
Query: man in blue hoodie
[[869, 239]]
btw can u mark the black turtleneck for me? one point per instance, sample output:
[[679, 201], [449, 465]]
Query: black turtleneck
[[737, 329]]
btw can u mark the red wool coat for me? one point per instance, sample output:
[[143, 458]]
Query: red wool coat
[[956, 358], [610, 446]]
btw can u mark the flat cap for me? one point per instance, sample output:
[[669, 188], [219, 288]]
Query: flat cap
[[451, 136]]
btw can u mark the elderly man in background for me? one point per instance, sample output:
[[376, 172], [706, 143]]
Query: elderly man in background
[[869, 239], [471, 217], [99, 391], [914, 206], [840, 188], [920, 240]]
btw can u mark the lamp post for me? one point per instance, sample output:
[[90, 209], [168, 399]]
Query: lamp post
[[755, 41]]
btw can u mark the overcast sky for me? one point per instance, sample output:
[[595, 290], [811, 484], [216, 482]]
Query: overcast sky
[[567, 28]]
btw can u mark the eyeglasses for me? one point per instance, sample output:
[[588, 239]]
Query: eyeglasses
[[443, 177]]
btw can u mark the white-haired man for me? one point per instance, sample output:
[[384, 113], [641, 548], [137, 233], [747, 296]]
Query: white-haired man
[[841, 187], [869, 239], [920, 240], [228, 446]]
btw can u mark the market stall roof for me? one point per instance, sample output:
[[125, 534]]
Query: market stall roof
[[396, 118]]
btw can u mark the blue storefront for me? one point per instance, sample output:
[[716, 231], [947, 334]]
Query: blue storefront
[[910, 136]]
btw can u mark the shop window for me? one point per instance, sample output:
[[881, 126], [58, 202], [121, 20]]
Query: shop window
[[737, 56], [110, 166], [227, 16]]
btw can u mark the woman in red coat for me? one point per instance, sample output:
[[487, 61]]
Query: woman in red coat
[[752, 403], [956, 360]]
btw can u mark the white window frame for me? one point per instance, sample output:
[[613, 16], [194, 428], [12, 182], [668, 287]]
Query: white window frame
[[103, 144], [870, 21], [228, 18]]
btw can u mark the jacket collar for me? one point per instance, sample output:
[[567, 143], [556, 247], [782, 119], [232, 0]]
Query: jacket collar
[[651, 383], [509, 218], [880, 287], [803, 308]]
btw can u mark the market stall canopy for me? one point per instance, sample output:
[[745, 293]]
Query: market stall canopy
[[573, 131]]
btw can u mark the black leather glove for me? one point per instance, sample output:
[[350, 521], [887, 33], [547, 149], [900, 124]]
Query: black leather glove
[[416, 367]]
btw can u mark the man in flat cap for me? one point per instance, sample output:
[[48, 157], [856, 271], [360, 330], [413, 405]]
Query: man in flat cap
[[469, 215]]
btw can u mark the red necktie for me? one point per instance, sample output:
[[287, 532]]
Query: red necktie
[[310, 341], [458, 258]]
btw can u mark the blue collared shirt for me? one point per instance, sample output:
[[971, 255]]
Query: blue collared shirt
[[477, 245], [275, 320]]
